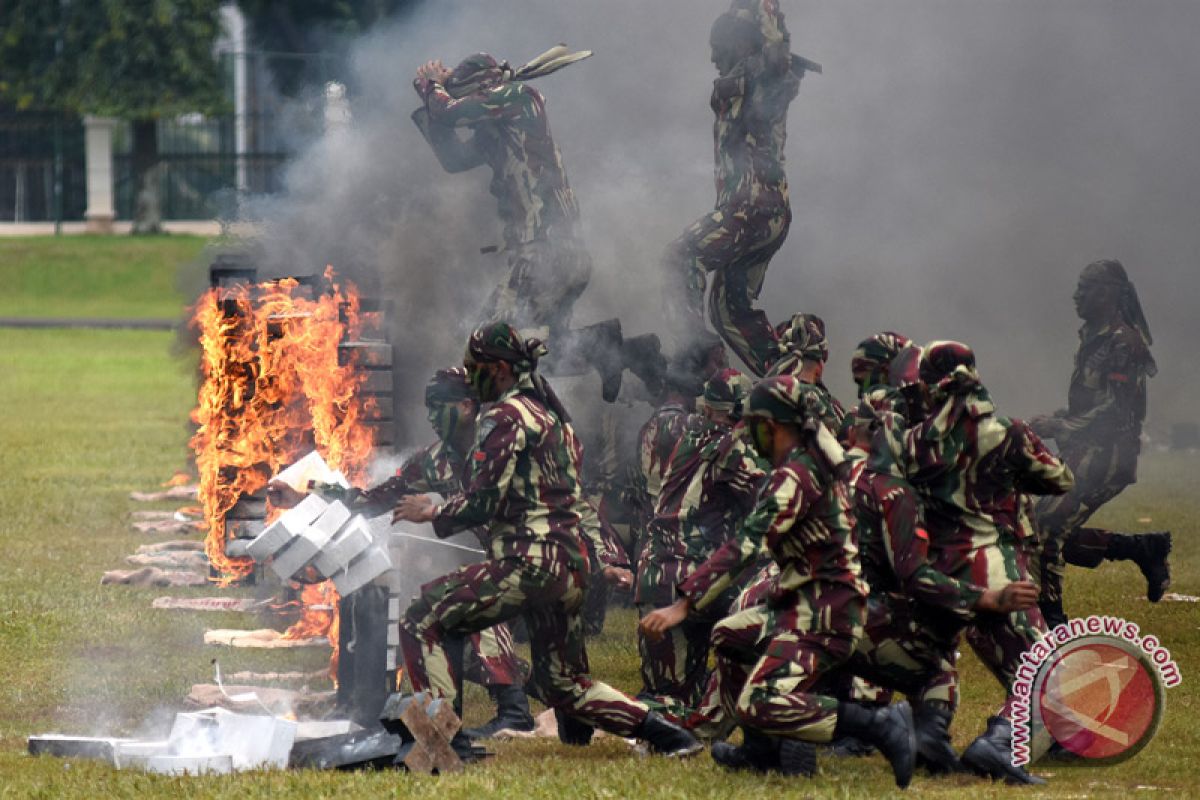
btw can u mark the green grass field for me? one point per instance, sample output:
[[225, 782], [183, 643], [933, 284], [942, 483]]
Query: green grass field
[[92, 415]]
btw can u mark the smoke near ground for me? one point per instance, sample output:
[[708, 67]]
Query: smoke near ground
[[952, 170]]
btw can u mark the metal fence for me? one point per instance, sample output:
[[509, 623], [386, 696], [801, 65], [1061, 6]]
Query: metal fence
[[33, 147]]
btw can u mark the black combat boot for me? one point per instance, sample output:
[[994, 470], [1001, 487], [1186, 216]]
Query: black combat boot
[[1149, 551], [849, 747], [642, 355], [467, 751], [934, 753], [666, 738], [890, 728], [512, 713], [603, 350], [991, 755], [573, 731], [758, 752]]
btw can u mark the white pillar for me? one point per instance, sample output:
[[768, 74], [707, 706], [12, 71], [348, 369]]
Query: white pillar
[[98, 158]]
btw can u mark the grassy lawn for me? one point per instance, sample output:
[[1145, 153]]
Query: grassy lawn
[[92, 415], [94, 276]]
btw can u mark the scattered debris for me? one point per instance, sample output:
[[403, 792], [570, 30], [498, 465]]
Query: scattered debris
[[152, 576], [280, 677], [168, 526], [174, 544], [265, 638], [170, 559], [174, 493], [1175, 597], [300, 702], [209, 603]]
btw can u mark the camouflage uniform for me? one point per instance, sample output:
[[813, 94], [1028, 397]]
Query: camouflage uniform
[[800, 339], [549, 268], [1098, 435], [772, 656], [736, 241], [710, 487], [970, 467], [523, 485]]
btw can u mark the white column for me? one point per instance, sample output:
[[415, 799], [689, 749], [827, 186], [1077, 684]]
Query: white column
[[98, 158]]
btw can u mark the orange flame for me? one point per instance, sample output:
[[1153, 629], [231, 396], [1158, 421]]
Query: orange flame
[[272, 390]]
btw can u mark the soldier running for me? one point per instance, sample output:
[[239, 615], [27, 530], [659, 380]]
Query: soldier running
[[1099, 436]]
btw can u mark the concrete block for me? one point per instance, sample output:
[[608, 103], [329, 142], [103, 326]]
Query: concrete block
[[63, 746], [253, 741], [353, 539], [287, 527], [358, 750], [364, 569], [310, 541]]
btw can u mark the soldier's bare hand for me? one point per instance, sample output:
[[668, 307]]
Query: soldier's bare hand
[[655, 624], [281, 495], [414, 508], [618, 577], [1013, 597]]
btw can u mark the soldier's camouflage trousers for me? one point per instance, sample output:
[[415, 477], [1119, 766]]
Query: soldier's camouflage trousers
[[903, 651], [493, 660], [735, 244], [1101, 473], [549, 597], [773, 656], [675, 668]]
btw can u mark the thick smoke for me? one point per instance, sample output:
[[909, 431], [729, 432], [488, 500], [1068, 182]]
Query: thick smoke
[[952, 170]]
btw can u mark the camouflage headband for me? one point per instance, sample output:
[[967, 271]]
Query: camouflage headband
[[786, 399], [726, 392], [949, 368], [499, 341], [1110, 272], [874, 355], [804, 335], [449, 386], [904, 371], [477, 70]]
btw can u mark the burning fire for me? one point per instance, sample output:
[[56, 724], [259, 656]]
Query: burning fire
[[273, 390]]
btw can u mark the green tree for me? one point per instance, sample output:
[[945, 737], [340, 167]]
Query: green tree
[[139, 60]]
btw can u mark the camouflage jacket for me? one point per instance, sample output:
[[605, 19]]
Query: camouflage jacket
[[709, 489], [751, 105], [970, 466], [510, 133], [437, 467], [803, 516], [656, 441], [523, 484], [1106, 402]]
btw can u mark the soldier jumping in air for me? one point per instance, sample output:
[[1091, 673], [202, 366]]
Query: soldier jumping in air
[[523, 484], [1099, 436], [549, 268], [758, 78]]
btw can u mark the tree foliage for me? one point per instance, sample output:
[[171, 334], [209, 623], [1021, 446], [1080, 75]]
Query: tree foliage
[[135, 59]]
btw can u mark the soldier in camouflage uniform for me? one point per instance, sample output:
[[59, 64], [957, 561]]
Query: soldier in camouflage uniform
[[709, 488], [971, 467], [440, 467], [758, 78], [910, 640], [802, 351], [522, 484], [549, 268], [1099, 436], [772, 657]]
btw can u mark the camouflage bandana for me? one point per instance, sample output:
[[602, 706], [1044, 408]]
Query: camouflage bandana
[[1110, 272], [873, 357], [726, 392], [473, 73], [948, 368], [785, 399], [449, 386], [804, 335], [498, 341]]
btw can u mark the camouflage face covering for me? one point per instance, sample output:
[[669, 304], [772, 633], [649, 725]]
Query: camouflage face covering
[[1110, 272], [948, 368], [726, 392], [873, 357], [786, 400], [496, 342], [448, 386], [804, 336]]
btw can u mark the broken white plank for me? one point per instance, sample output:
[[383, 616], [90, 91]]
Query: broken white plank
[[264, 638]]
